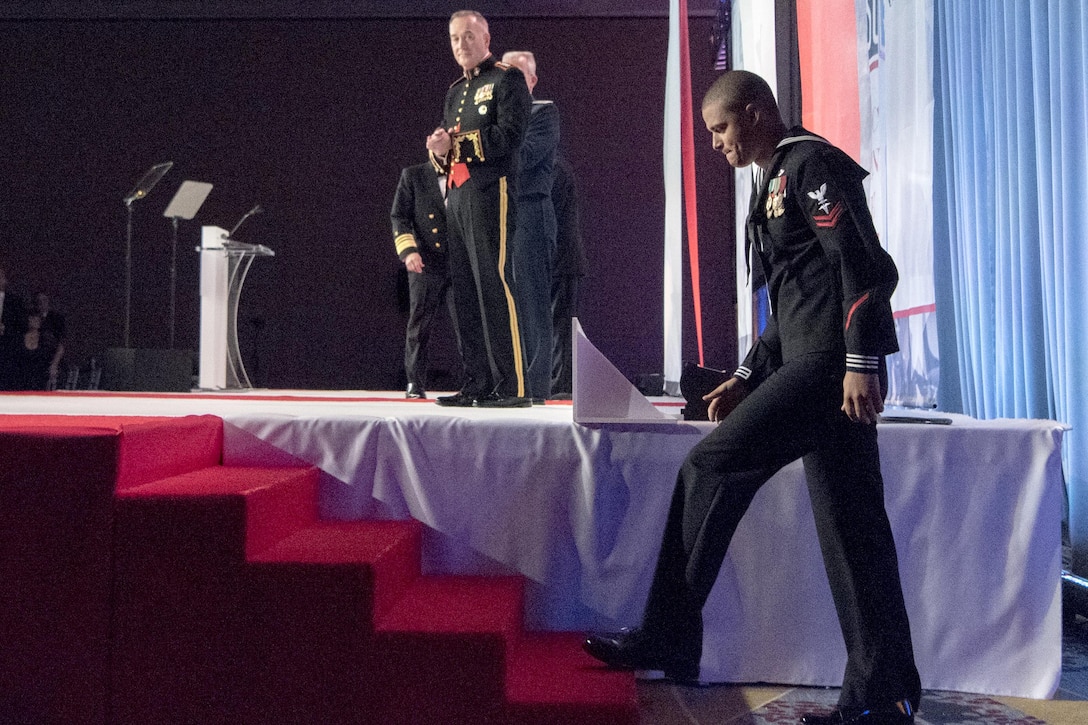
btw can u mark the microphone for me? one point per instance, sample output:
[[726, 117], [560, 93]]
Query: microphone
[[255, 210]]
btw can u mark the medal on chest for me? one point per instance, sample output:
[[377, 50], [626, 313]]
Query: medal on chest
[[484, 93], [776, 196]]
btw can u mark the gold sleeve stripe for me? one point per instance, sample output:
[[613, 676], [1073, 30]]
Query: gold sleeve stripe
[[405, 241]]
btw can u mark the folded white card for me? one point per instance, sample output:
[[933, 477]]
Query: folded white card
[[601, 392]]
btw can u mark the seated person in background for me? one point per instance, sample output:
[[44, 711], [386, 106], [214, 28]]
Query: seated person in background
[[52, 322], [32, 356], [12, 326]]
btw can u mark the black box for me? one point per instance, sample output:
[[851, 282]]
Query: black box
[[156, 371]]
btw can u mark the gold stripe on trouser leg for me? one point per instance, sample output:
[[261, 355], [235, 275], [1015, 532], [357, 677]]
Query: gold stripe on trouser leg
[[515, 333]]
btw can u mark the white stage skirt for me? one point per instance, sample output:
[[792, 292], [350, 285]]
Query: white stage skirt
[[976, 509]]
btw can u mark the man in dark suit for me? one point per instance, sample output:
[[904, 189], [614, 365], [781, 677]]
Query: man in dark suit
[[419, 234], [485, 115]]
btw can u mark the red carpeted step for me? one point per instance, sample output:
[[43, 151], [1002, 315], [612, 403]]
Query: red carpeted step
[[310, 600], [234, 605], [57, 482], [210, 594], [149, 447], [444, 649], [237, 511], [550, 680], [181, 627], [460, 604], [390, 550]]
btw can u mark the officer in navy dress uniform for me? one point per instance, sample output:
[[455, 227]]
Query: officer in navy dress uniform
[[812, 387], [486, 112], [419, 234]]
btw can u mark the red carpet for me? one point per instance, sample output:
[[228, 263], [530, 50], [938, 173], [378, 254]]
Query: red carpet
[[143, 582]]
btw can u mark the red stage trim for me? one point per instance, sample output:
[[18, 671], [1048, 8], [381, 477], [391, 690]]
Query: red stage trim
[[912, 311]]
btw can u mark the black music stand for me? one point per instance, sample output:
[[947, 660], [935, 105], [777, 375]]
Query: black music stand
[[185, 204]]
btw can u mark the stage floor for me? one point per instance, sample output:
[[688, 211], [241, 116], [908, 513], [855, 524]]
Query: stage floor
[[578, 510]]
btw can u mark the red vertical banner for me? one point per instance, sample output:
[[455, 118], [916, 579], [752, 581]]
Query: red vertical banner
[[687, 153], [827, 45]]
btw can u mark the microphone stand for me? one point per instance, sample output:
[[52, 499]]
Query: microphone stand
[[185, 204], [128, 270], [173, 277]]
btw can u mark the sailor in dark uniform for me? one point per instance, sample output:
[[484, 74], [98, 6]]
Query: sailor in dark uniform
[[812, 387], [486, 113]]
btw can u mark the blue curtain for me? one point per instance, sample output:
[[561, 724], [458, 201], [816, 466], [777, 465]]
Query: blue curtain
[[1011, 219]]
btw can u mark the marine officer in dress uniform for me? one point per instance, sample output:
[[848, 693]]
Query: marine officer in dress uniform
[[486, 112]]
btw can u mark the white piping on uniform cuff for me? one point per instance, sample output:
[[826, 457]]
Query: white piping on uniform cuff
[[864, 363], [743, 373]]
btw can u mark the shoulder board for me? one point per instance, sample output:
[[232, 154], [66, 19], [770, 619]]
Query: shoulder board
[[502, 66], [462, 78]]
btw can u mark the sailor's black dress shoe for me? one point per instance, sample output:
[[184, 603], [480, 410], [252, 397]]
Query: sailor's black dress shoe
[[632, 649], [457, 400], [896, 713], [414, 392]]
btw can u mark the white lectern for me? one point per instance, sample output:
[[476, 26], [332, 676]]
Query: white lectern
[[224, 264]]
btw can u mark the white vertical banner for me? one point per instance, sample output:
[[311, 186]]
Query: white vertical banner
[[895, 90], [753, 50], [674, 257]]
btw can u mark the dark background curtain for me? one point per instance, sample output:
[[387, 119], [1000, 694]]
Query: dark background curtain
[[313, 118]]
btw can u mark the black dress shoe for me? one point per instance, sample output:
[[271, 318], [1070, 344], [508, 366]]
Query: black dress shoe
[[897, 713], [496, 400], [458, 400], [632, 649], [414, 392]]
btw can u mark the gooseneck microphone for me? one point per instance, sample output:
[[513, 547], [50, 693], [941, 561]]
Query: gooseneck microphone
[[255, 210]]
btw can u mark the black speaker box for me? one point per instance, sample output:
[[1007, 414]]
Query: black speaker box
[[147, 370], [695, 382]]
